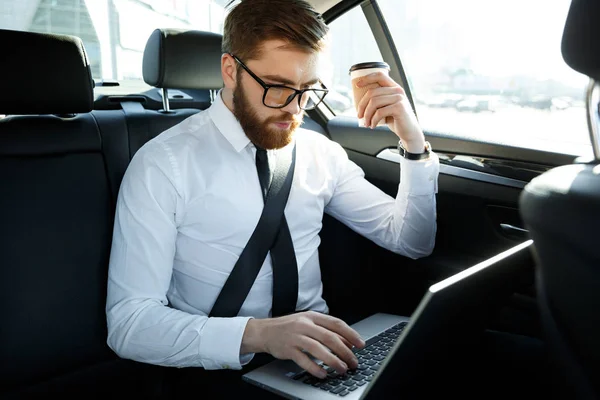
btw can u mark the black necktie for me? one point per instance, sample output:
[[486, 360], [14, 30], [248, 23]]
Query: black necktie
[[285, 268], [264, 172]]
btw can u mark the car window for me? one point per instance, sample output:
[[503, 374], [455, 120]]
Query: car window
[[492, 70], [351, 41], [114, 32]]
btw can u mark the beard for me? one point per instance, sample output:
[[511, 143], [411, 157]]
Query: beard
[[260, 131]]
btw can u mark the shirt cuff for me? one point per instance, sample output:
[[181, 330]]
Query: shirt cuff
[[221, 342], [420, 177]]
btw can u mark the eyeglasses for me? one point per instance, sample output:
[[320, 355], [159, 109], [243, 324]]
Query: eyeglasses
[[279, 96]]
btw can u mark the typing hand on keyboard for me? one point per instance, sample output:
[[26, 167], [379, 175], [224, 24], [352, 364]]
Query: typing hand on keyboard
[[293, 336], [370, 359]]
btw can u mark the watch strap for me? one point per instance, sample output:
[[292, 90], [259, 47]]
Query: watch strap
[[414, 156]]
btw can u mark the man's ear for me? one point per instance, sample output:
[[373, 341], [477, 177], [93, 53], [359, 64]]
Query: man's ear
[[228, 71]]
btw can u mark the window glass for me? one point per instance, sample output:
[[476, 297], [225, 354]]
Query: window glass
[[492, 70], [71, 18], [114, 32], [351, 42]]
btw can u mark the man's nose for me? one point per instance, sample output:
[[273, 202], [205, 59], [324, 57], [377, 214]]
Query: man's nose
[[293, 108]]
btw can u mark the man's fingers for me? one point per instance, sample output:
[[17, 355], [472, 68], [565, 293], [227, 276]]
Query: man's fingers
[[346, 343], [317, 350], [382, 114], [375, 93], [333, 342], [309, 365], [381, 78], [338, 326], [377, 105]]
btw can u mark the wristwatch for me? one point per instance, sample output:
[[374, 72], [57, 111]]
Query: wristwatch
[[414, 156]]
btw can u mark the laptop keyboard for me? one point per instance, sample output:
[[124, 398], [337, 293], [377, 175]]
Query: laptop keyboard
[[370, 359]]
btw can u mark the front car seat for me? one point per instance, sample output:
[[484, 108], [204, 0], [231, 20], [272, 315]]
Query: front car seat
[[561, 209]]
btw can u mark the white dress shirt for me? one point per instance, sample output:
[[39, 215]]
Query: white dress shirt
[[190, 200]]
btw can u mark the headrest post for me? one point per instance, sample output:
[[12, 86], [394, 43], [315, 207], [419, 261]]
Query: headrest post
[[592, 101], [213, 95], [165, 100]]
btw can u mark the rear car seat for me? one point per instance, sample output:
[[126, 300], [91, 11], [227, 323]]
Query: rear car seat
[[61, 165], [56, 217]]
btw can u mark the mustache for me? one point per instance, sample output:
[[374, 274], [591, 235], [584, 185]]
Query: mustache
[[293, 120]]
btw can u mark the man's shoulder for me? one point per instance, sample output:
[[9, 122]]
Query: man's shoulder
[[179, 137], [173, 144], [186, 129]]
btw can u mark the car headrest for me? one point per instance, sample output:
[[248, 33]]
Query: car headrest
[[580, 42], [44, 74], [183, 59]]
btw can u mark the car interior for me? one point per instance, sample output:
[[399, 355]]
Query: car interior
[[64, 148]]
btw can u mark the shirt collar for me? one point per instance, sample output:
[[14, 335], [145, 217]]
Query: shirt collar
[[228, 124]]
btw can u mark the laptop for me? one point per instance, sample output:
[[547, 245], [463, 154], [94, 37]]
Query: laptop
[[402, 352]]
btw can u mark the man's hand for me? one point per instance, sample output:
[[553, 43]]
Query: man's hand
[[389, 102], [292, 336]]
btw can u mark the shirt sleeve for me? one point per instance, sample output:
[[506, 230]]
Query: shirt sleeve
[[405, 225], [141, 325]]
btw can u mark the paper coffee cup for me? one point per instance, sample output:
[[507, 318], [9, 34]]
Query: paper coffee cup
[[362, 69]]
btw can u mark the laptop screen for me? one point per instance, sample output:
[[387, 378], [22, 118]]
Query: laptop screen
[[453, 314]]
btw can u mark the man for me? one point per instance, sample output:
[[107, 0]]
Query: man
[[191, 199]]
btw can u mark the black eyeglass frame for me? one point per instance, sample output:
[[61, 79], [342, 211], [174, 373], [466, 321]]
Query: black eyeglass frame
[[297, 93]]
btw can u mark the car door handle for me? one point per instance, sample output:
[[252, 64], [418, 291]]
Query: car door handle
[[514, 230]]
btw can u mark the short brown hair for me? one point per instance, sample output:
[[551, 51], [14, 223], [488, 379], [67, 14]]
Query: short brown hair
[[252, 22]]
